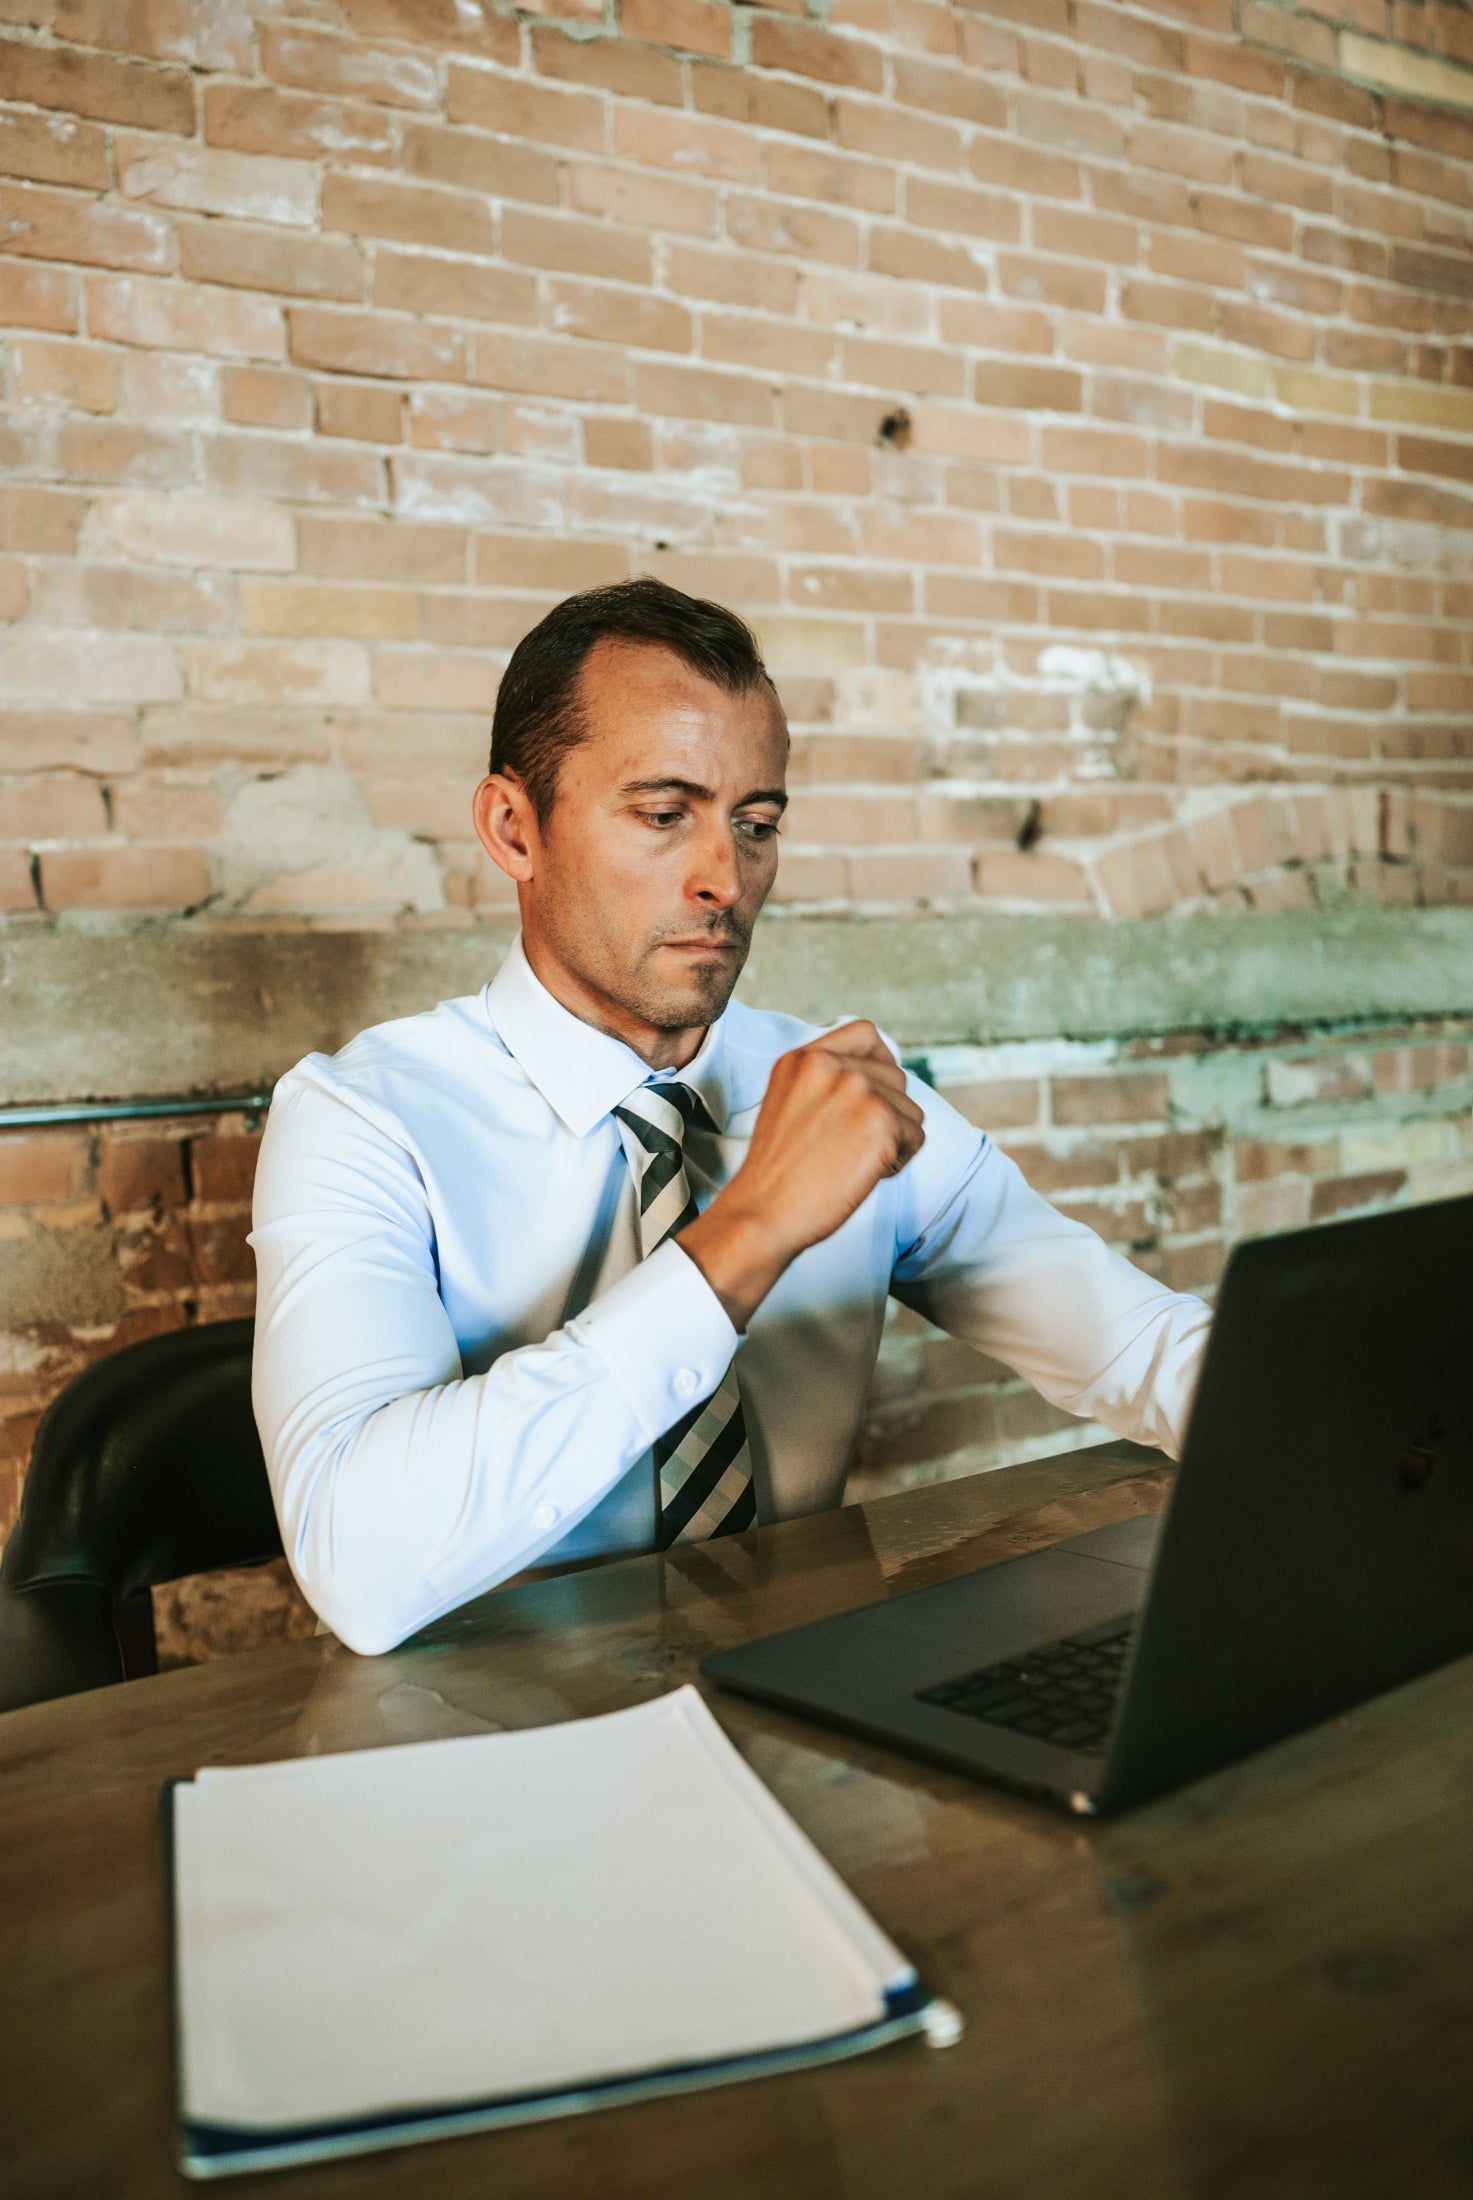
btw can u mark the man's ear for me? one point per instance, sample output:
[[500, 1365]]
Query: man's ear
[[506, 825]]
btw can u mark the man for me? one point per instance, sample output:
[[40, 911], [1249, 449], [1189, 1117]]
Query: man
[[591, 1261]]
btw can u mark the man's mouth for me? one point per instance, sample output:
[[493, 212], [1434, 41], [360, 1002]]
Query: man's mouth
[[707, 943]]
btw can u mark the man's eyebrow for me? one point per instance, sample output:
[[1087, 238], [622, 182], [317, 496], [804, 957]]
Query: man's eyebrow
[[701, 794]]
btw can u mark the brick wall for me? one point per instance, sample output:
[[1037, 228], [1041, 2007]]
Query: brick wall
[[108, 1235], [1078, 397]]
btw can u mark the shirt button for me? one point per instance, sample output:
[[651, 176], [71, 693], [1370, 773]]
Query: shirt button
[[685, 1382], [545, 1516]]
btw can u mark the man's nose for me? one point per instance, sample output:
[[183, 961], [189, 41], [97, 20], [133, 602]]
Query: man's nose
[[715, 874]]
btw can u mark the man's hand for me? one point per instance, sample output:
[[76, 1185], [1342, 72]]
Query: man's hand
[[836, 1118]]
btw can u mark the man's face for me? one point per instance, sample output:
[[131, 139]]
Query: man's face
[[641, 890]]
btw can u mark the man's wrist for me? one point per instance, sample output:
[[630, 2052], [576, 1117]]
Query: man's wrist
[[738, 1253]]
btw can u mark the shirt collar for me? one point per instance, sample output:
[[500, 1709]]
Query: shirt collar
[[582, 1073]]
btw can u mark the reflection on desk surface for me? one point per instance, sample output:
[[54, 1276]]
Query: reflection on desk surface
[[1257, 1989]]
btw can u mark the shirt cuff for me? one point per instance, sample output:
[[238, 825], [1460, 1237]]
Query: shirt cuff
[[663, 1335]]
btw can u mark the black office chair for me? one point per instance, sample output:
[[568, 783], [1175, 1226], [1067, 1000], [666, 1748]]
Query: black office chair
[[145, 1468]]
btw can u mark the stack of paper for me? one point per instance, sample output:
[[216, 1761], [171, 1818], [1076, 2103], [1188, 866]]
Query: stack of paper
[[398, 1943]]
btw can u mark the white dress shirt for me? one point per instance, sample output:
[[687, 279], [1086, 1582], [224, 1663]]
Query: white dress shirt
[[461, 1363]]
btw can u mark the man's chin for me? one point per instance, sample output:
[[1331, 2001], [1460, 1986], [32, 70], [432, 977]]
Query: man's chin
[[697, 996]]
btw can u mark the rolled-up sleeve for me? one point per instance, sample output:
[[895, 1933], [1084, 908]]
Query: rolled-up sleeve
[[985, 1257], [404, 1486]]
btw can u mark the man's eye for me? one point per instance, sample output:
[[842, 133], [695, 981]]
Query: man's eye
[[758, 828], [663, 819]]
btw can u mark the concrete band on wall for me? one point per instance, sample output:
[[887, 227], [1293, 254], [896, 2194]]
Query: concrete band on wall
[[117, 1010]]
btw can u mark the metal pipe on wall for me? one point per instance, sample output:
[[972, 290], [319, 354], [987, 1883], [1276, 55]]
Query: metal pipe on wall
[[50, 1113]]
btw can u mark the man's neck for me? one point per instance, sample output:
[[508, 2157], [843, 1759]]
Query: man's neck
[[658, 1048]]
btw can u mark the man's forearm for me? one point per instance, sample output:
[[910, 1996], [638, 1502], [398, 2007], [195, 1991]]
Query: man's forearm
[[739, 1255]]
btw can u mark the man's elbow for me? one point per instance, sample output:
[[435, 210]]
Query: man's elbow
[[370, 1617], [371, 1634], [360, 1597]]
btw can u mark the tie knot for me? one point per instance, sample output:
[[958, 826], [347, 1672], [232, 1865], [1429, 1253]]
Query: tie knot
[[667, 1111]]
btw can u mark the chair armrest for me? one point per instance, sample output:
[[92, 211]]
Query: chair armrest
[[56, 1639]]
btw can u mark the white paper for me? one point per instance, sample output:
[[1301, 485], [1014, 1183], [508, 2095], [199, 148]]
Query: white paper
[[502, 1915]]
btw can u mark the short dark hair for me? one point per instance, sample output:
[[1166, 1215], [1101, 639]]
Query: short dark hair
[[538, 716]]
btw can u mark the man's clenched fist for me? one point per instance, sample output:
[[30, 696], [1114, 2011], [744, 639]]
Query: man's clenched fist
[[836, 1118]]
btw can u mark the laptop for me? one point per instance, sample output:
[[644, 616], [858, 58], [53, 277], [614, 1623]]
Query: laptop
[[1317, 1549]]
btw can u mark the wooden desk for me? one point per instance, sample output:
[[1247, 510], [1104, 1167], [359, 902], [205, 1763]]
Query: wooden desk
[[1262, 1986]]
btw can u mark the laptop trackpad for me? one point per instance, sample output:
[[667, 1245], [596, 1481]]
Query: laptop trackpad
[[1127, 1542]]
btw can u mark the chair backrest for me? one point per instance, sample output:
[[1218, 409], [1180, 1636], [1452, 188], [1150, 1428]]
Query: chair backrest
[[147, 1467]]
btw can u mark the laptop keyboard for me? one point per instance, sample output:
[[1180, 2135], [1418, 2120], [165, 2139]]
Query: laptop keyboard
[[1063, 1692]]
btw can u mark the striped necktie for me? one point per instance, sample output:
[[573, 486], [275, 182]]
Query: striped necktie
[[703, 1462]]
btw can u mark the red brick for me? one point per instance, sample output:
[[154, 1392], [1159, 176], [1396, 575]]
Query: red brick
[[408, 213], [1338, 1195], [1317, 1080], [920, 370], [173, 317], [608, 64], [1001, 1103], [887, 132], [99, 87], [1052, 1169], [140, 1172], [387, 345], [741, 339], [82, 376], [471, 162], [454, 420], [223, 1169], [640, 198], [59, 740], [794, 232], [543, 114], [804, 49], [575, 247], [298, 126], [690, 26], [1257, 1159], [1124, 1096], [627, 444], [38, 297], [808, 172], [41, 1169], [934, 88], [695, 393], [1069, 125], [1173, 1156], [897, 876], [768, 102], [317, 61], [47, 150], [246, 258], [51, 809], [1419, 1068], [219, 1253], [1052, 282], [546, 367], [1068, 555], [123, 878], [1038, 876], [458, 290], [1027, 388], [961, 209], [264, 397], [55, 225], [165, 30], [362, 411]]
